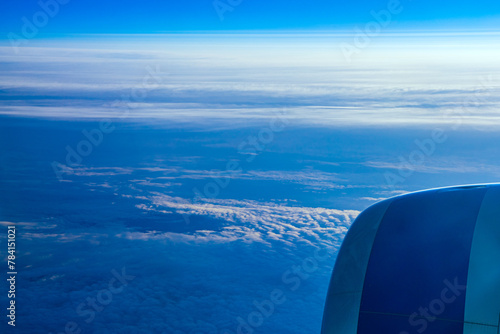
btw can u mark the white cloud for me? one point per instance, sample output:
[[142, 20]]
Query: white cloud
[[374, 199], [256, 221], [436, 165], [397, 84]]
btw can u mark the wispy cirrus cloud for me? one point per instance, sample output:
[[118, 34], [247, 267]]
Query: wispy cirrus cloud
[[434, 166]]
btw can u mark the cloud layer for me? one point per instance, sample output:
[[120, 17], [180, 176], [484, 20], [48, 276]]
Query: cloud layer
[[404, 81]]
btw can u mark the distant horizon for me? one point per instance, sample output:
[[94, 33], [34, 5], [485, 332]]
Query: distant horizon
[[386, 79], [335, 32]]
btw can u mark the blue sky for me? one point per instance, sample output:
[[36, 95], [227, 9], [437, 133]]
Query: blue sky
[[172, 16]]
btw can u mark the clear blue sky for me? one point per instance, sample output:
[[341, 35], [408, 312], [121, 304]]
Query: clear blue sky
[[155, 16]]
